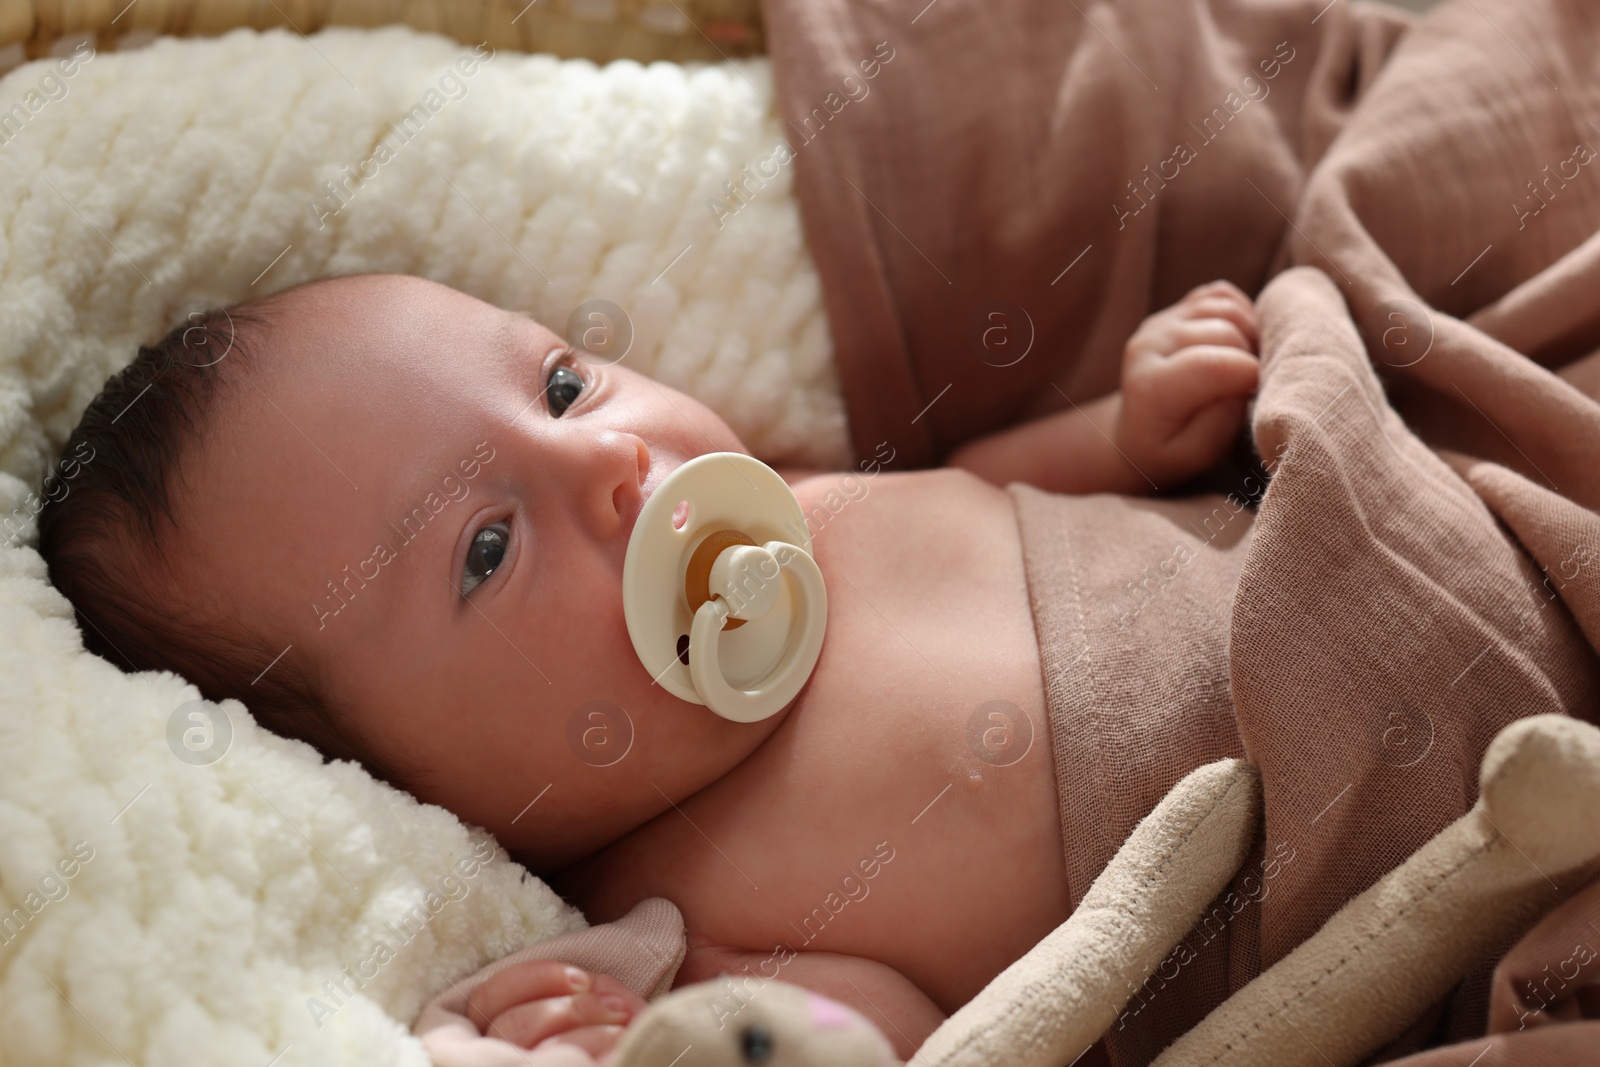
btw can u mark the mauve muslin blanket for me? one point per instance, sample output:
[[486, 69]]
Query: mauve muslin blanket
[[996, 191]]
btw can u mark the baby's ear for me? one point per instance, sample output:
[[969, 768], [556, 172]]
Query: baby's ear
[[734, 1021]]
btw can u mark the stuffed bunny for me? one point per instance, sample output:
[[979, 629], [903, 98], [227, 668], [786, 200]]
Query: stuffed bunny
[[715, 1024]]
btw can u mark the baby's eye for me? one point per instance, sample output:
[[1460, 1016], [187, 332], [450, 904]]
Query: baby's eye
[[562, 390], [488, 548]]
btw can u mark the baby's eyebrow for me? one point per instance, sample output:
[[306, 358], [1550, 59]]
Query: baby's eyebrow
[[509, 333], [508, 344], [508, 336]]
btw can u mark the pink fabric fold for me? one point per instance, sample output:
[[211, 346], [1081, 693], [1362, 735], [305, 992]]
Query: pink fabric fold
[[983, 178], [993, 210]]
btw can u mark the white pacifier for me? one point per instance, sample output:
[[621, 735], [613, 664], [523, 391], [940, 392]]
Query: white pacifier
[[729, 609]]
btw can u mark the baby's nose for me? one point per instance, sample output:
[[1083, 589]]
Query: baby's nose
[[643, 451], [611, 481], [628, 497]]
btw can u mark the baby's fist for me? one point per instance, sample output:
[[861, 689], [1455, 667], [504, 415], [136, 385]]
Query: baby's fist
[[1187, 374], [542, 1003]]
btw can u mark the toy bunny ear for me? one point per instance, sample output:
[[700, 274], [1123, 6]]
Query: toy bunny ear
[[763, 1023], [1398, 947]]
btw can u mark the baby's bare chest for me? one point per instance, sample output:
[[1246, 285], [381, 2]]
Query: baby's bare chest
[[906, 810]]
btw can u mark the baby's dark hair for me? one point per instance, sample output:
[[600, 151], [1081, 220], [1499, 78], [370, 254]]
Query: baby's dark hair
[[104, 533]]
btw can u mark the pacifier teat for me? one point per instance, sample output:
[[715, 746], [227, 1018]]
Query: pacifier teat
[[727, 610]]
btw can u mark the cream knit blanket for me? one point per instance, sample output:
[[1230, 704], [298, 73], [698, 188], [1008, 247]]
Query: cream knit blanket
[[161, 905]]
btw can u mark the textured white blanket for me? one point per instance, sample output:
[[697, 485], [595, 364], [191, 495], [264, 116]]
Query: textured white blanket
[[161, 906], [153, 182], [172, 912]]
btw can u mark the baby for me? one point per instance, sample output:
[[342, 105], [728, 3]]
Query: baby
[[392, 519]]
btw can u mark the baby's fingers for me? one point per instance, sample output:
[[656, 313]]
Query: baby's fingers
[[1194, 377], [528, 1024], [1209, 330], [1242, 314], [597, 1041], [1223, 300], [532, 980]]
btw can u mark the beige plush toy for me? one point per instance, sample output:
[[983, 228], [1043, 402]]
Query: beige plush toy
[[1378, 962], [720, 1024], [1398, 947]]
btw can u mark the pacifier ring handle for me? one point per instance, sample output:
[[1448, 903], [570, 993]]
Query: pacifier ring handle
[[772, 693]]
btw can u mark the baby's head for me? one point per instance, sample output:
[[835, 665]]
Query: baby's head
[[391, 519]]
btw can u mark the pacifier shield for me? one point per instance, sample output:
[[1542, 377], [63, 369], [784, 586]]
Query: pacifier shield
[[667, 578]]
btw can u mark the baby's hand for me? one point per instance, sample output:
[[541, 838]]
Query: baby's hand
[[543, 1003], [1186, 374]]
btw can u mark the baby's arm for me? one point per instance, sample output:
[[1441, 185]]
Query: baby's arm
[[1187, 373], [883, 995]]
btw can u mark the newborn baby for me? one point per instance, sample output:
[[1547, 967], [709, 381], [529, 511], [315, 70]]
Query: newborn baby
[[392, 519]]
